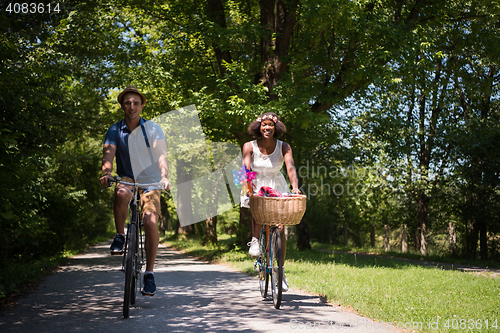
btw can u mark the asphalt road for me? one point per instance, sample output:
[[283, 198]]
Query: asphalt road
[[86, 295]]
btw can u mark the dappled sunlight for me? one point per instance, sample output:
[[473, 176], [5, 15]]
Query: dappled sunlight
[[192, 296]]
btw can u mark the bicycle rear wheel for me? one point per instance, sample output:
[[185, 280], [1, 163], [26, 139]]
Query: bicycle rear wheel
[[129, 270], [135, 265], [276, 258], [263, 275]]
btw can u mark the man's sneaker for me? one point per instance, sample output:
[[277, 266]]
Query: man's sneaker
[[117, 246], [149, 285], [254, 250], [284, 283]]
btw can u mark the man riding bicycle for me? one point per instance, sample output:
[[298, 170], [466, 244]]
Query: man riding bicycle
[[129, 139]]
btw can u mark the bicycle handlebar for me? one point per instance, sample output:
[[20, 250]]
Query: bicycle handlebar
[[136, 184], [117, 180]]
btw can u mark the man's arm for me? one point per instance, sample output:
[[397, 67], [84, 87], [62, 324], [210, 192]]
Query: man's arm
[[160, 149], [108, 155]]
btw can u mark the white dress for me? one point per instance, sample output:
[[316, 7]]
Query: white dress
[[268, 170]]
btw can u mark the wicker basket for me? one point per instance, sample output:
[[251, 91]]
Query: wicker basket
[[285, 210]]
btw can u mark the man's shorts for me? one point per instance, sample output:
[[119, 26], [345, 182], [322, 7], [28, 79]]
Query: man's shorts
[[150, 201]]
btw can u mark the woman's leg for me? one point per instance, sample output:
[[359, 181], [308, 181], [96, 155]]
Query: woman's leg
[[283, 241], [256, 229]]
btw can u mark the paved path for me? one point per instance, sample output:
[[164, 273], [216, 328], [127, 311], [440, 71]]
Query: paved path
[[192, 296]]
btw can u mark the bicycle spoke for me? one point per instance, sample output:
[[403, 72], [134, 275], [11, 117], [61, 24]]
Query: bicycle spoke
[[129, 271], [263, 275]]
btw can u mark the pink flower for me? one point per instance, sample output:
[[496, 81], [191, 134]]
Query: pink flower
[[268, 116]]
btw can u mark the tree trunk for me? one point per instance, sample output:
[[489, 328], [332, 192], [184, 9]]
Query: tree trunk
[[211, 233], [483, 241], [422, 202], [177, 227], [163, 219], [278, 17], [244, 232], [345, 235], [335, 235], [472, 239], [187, 230], [184, 209], [387, 246], [216, 14], [372, 235], [426, 141], [485, 110], [303, 235], [211, 222], [452, 238], [417, 239], [424, 160], [404, 239], [302, 229], [423, 239]]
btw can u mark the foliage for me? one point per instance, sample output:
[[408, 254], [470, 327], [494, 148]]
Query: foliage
[[50, 202], [424, 120], [403, 92]]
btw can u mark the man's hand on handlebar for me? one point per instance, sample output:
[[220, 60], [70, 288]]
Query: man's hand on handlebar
[[165, 184], [105, 180]]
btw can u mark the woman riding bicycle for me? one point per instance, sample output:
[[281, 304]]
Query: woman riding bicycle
[[265, 156]]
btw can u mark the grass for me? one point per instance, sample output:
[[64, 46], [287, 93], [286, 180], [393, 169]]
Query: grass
[[385, 289], [410, 255]]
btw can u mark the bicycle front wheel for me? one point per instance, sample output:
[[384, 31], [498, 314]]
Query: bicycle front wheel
[[276, 262], [129, 270], [263, 274]]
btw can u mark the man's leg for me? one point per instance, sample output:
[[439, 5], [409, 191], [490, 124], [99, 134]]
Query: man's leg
[[120, 208], [120, 212], [150, 221], [150, 202]]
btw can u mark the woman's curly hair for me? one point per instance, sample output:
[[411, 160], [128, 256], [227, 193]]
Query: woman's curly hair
[[279, 127]]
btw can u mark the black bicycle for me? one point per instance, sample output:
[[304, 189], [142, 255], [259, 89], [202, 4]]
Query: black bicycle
[[133, 250]]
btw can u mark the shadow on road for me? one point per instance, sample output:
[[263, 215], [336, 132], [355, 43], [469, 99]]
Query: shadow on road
[[86, 294]]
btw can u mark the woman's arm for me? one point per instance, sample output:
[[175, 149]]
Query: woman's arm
[[247, 154], [290, 167]]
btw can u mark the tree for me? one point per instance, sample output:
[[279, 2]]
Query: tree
[[50, 116], [418, 119], [236, 59], [475, 155]]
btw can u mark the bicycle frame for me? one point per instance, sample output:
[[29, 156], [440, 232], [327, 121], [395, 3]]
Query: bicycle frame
[[267, 229], [137, 220], [270, 263]]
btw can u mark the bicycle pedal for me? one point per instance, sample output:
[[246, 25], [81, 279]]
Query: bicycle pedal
[[116, 253]]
